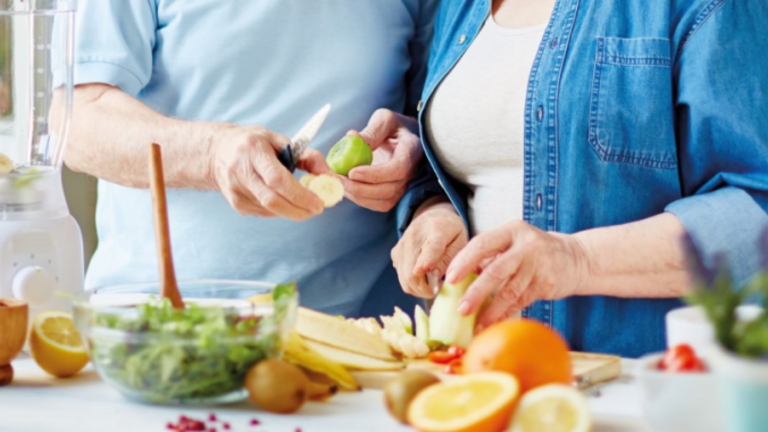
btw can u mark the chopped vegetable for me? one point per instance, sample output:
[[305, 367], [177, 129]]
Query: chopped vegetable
[[162, 354], [681, 358]]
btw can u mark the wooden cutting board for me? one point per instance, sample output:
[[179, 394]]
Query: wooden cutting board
[[588, 370]]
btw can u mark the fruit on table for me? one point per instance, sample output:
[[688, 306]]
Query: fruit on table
[[56, 345], [446, 325], [320, 391], [481, 402], [531, 351], [354, 360], [421, 324], [299, 353], [327, 187], [277, 386], [352, 151], [6, 164], [681, 358], [338, 333], [553, 407], [400, 391], [399, 335]]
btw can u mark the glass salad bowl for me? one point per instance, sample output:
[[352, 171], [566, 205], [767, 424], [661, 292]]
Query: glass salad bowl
[[198, 355]]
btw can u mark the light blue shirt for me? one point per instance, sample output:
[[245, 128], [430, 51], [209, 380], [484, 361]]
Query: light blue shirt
[[266, 62]]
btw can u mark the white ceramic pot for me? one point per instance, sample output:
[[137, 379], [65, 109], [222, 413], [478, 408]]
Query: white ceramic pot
[[677, 402]]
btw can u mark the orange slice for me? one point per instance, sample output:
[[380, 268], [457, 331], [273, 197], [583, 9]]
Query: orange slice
[[481, 402], [55, 344]]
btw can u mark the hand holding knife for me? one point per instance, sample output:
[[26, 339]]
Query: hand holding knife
[[290, 154]]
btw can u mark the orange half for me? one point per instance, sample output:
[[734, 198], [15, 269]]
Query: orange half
[[481, 402]]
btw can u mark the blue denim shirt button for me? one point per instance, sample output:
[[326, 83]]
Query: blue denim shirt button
[[462, 39], [540, 113], [538, 202], [554, 43]]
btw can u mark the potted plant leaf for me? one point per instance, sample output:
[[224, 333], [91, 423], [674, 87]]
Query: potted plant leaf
[[740, 359]]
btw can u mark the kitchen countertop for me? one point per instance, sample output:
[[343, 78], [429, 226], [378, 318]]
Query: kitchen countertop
[[35, 402]]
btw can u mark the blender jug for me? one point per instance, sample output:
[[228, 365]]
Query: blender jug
[[40, 243]]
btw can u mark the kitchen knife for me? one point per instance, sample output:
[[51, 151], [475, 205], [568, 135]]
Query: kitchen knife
[[433, 279], [290, 154]]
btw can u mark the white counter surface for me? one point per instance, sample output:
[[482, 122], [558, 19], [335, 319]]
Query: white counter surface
[[35, 402]]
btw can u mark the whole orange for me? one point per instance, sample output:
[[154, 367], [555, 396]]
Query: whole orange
[[527, 349]]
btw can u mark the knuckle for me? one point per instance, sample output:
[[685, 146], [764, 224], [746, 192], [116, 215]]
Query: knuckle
[[270, 200]]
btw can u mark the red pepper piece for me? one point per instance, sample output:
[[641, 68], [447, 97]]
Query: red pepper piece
[[441, 357]]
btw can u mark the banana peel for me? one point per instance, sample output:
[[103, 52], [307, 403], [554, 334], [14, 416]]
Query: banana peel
[[298, 352], [338, 333]]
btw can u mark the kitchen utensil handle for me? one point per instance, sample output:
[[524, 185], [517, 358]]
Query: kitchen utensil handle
[[286, 158], [169, 288]]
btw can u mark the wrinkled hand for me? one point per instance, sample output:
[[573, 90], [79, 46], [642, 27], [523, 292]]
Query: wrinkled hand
[[396, 153], [518, 264], [245, 168], [434, 237]]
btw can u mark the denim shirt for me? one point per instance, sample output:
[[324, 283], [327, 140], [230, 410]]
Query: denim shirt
[[633, 109]]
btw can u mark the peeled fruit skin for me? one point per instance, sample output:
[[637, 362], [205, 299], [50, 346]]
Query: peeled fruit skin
[[277, 386], [349, 153], [400, 391], [527, 349]]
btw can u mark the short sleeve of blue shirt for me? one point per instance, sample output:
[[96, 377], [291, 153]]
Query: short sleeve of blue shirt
[[115, 43]]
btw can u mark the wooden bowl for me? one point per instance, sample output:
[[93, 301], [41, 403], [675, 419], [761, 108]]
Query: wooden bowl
[[13, 333]]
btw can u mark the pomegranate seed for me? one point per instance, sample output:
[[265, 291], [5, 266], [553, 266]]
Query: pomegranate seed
[[212, 417], [170, 426], [255, 422], [212, 430], [225, 425], [298, 429]]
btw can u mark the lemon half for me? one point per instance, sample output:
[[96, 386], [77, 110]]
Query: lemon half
[[56, 345]]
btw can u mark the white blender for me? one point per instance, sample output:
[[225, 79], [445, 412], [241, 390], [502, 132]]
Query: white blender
[[41, 251]]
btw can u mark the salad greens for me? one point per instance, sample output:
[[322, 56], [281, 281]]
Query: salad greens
[[161, 354], [717, 293]]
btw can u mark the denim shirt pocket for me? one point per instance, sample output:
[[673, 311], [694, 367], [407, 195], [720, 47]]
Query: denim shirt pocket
[[631, 106]]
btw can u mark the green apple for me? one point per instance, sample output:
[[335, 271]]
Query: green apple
[[349, 153]]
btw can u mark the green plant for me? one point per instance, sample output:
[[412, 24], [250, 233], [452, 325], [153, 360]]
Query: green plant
[[716, 292]]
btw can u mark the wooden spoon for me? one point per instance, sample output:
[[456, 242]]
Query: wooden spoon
[[168, 286]]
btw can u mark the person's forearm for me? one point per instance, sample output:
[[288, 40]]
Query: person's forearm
[[640, 259], [111, 132]]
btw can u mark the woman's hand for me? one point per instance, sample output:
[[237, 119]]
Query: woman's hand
[[436, 234], [397, 151], [245, 168], [518, 264]]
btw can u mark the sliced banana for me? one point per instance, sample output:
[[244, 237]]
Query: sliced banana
[[306, 180], [6, 164], [327, 187]]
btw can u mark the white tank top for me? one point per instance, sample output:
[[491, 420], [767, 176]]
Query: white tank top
[[475, 121]]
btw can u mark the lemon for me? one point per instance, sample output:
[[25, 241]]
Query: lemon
[[55, 344], [349, 153], [265, 298], [553, 408]]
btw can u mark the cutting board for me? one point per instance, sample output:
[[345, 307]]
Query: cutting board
[[588, 370]]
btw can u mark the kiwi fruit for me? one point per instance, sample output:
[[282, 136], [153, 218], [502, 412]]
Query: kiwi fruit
[[277, 386], [400, 391]]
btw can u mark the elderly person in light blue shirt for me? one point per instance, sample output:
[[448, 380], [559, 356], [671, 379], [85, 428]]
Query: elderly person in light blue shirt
[[219, 85]]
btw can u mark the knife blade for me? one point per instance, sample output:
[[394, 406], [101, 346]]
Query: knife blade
[[292, 151], [433, 279]]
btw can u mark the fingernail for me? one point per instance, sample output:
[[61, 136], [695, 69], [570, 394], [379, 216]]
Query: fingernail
[[450, 276], [464, 307]]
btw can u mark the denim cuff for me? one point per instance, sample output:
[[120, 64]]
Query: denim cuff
[[727, 221]]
